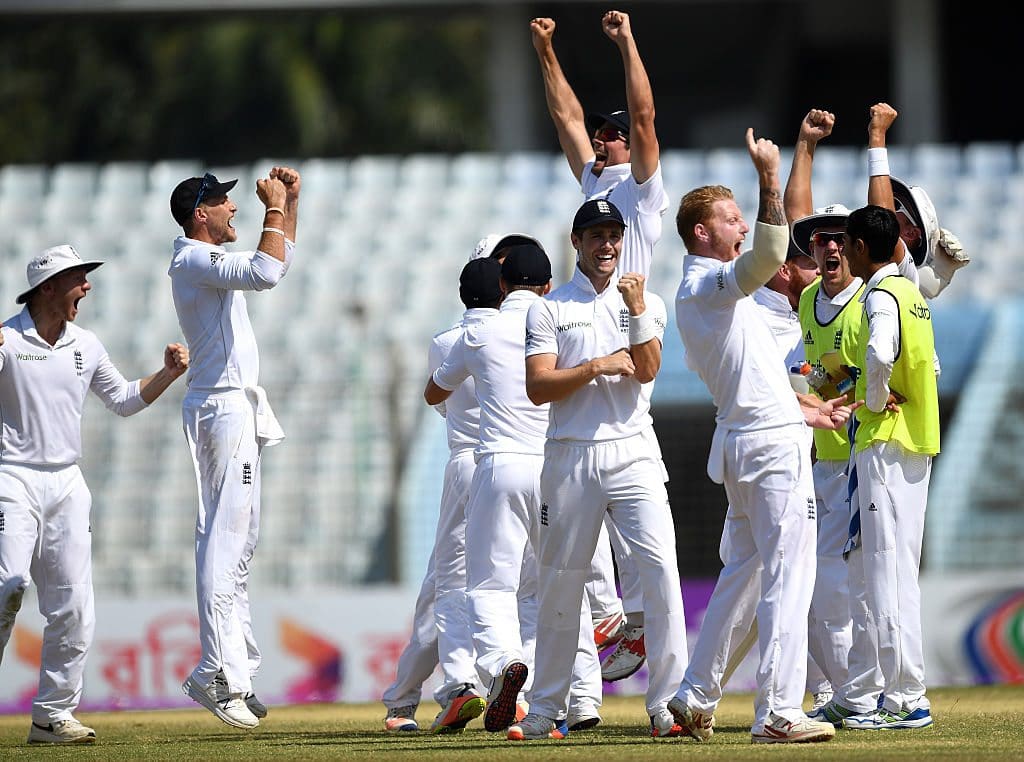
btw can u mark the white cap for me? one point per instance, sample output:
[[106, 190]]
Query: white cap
[[492, 242], [52, 262], [833, 215]]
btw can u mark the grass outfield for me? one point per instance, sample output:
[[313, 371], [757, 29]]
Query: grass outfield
[[977, 723]]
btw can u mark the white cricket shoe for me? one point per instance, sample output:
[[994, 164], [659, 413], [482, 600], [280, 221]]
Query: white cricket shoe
[[629, 655], [61, 731], [805, 730], [227, 707]]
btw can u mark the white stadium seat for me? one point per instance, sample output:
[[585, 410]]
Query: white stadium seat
[[343, 339]]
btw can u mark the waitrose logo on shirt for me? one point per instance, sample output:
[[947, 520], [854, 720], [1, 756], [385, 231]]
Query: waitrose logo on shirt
[[26, 356]]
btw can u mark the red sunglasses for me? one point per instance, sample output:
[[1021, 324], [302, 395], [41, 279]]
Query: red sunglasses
[[822, 239], [608, 135]]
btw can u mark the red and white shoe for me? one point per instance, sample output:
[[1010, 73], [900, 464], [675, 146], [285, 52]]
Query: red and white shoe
[[629, 655], [664, 725], [609, 630], [805, 730], [401, 719]]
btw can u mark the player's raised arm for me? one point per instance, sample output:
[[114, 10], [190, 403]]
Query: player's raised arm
[[563, 105], [798, 199], [644, 151]]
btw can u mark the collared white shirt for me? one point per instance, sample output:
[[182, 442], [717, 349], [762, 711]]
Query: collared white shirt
[[207, 283], [641, 204], [730, 346], [492, 353], [826, 307], [577, 324], [883, 338], [784, 323], [461, 410], [43, 388]]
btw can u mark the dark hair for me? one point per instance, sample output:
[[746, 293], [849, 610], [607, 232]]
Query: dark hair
[[877, 227]]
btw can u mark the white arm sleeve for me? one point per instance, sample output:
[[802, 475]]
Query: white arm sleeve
[[756, 267]]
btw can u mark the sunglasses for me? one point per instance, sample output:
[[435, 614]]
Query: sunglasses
[[208, 182], [608, 135], [823, 239]]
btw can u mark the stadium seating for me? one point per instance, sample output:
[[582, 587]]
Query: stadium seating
[[351, 495]]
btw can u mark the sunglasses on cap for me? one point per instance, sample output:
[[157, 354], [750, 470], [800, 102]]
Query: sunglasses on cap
[[823, 239], [902, 209], [608, 135], [208, 182]]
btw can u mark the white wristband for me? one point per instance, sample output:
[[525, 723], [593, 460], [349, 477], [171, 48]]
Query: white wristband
[[878, 162], [642, 328], [277, 209], [274, 230]]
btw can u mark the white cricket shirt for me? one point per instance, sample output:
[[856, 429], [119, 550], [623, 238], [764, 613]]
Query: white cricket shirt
[[731, 347], [492, 352], [42, 391], [577, 324], [784, 323], [461, 410], [207, 283], [641, 204]]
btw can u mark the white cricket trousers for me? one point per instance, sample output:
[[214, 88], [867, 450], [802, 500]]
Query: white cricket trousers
[[770, 527], [829, 635], [580, 483], [602, 592], [892, 494], [420, 655], [221, 434], [45, 536], [501, 576], [455, 649]]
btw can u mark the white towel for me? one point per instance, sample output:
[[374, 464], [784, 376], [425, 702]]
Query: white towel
[[716, 457], [268, 429]]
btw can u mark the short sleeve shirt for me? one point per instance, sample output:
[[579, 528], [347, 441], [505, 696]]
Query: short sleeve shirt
[[43, 388], [577, 324], [642, 206], [491, 352], [731, 347], [461, 410]]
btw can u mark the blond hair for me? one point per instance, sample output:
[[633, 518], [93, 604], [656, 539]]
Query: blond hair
[[695, 208]]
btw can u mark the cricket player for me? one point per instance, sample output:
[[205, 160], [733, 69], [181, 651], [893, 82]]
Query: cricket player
[[441, 630], [759, 451], [227, 419], [613, 156], [47, 365], [895, 440], [504, 500], [593, 350]]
